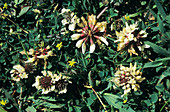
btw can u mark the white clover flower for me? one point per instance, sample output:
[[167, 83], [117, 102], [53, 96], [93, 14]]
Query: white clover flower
[[18, 73], [69, 18], [45, 82], [127, 38], [51, 82], [128, 78]]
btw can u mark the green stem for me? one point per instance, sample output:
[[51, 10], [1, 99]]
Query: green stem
[[23, 47], [164, 105], [86, 104]]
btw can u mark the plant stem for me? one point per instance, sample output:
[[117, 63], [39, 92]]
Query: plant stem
[[23, 47], [98, 16], [99, 99], [86, 104], [164, 105], [14, 23]]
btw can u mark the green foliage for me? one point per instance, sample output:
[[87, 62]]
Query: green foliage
[[84, 81]]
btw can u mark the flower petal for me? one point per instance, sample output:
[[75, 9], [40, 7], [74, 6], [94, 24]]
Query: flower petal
[[104, 40], [92, 48], [79, 43], [72, 26], [75, 36], [83, 47]]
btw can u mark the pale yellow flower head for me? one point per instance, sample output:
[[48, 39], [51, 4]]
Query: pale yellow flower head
[[129, 37], [18, 73], [90, 31], [128, 78], [69, 18]]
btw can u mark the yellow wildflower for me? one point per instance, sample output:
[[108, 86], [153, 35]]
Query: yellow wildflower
[[3, 102], [4, 15], [41, 20], [124, 101], [72, 62], [59, 45], [5, 6], [127, 18]]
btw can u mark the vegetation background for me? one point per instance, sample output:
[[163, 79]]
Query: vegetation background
[[87, 80]]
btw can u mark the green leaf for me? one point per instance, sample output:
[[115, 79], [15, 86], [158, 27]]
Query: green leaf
[[154, 97], [48, 98], [160, 87], [2, 110], [156, 63], [62, 63], [113, 100], [31, 109], [20, 1], [158, 49], [112, 14], [89, 77], [160, 8], [16, 1], [23, 11], [148, 102], [51, 105], [89, 101], [10, 97], [152, 64], [168, 19], [161, 28], [164, 74]]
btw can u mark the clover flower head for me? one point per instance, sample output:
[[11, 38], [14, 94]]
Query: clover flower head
[[18, 73], [45, 82], [128, 78], [61, 84], [69, 18], [41, 53], [129, 37], [90, 30], [50, 82]]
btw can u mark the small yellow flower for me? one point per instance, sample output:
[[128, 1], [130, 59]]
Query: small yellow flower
[[127, 18], [5, 6], [3, 102], [72, 62], [41, 20], [124, 101], [4, 15], [59, 45]]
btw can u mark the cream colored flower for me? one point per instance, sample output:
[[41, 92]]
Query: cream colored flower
[[51, 82], [45, 82], [89, 31], [128, 78], [18, 73], [79, 43], [69, 18], [127, 38], [75, 36], [61, 84]]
